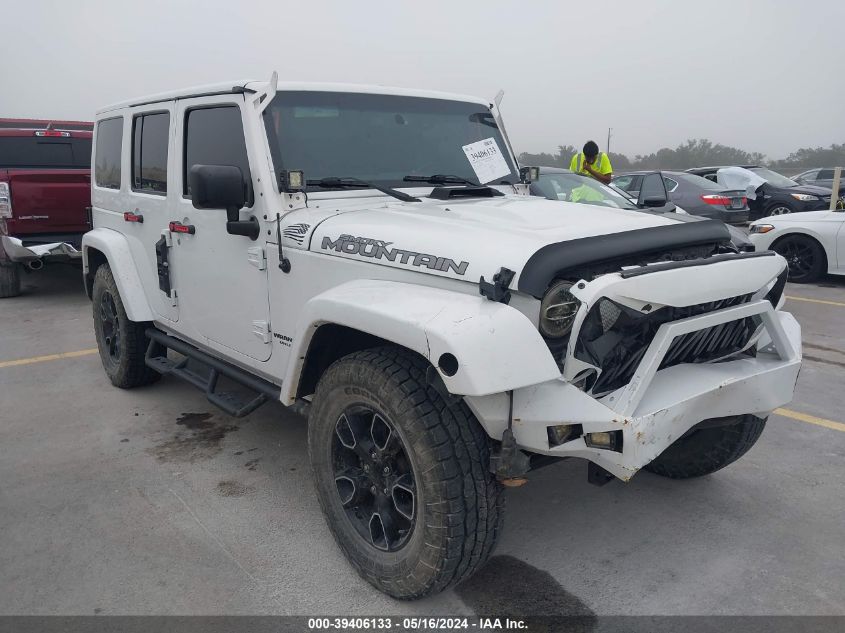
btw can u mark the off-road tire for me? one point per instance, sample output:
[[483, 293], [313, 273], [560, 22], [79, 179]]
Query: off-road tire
[[706, 450], [459, 503], [125, 368], [10, 280]]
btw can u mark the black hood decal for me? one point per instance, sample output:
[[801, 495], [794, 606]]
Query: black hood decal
[[544, 265]]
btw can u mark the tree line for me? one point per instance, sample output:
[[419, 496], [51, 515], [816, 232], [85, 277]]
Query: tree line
[[697, 153]]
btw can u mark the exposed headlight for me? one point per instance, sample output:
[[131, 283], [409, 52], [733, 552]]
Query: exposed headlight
[[762, 228], [558, 310], [804, 197]]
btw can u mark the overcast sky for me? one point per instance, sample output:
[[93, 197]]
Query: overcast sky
[[762, 75]]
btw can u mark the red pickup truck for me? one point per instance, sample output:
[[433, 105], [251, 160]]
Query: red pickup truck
[[45, 193]]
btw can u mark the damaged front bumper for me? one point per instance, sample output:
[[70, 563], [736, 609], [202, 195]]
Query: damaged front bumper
[[657, 405], [34, 257]]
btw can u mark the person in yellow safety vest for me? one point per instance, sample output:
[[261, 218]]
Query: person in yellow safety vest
[[593, 163]]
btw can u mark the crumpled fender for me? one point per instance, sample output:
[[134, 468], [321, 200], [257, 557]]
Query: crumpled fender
[[497, 347], [115, 247]]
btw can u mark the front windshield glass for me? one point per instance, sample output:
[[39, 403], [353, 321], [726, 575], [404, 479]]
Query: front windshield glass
[[379, 138], [773, 178], [575, 188]]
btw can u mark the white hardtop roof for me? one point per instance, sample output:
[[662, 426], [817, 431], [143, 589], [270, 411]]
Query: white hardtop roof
[[250, 85]]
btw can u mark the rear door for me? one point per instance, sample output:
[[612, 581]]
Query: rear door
[[220, 279], [50, 182]]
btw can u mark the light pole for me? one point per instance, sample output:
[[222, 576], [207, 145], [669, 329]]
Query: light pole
[[608, 140]]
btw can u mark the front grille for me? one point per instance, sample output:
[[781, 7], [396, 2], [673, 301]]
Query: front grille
[[615, 339]]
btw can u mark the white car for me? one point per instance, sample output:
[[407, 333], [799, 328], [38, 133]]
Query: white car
[[371, 256], [813, 243]]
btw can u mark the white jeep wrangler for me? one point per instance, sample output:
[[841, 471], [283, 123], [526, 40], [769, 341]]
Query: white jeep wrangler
[[371, 257]]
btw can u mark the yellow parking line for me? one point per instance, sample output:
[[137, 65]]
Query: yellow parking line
[[811, 419], [41, 359], [829, 303]]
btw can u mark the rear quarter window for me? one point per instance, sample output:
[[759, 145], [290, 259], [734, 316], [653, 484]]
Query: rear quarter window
[[34, 152], [107, 157]]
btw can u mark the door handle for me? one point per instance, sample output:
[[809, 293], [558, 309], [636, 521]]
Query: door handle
[[178, 227], [133, 217]]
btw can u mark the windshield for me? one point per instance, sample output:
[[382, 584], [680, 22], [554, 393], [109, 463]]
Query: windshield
[[575, 188], [381, 139], [773, 178]]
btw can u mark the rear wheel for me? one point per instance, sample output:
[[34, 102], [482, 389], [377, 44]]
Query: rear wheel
[[10, 280], [705, 450], [121, 342], [402, 475], [804, 256]]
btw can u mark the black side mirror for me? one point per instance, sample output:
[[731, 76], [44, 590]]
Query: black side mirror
[[222, 187], [216, 187]]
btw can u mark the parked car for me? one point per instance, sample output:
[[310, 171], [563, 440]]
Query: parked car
[[695, 194], [45, 193], [821, 177], [777, 193], [372, 257], [554, 183], [812, 243]]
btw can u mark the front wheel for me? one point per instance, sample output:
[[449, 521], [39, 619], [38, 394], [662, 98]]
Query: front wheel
[[402, 475], [121, 342], [780, 209], [804, 256], [707, 449]]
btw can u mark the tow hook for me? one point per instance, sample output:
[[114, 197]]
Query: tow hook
[[510, 464]]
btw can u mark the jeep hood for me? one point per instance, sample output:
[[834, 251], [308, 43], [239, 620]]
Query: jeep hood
[[467, 239]]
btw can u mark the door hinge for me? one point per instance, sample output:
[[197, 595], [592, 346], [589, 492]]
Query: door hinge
[[261, 329], [257, 257]]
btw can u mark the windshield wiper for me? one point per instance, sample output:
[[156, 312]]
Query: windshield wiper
[[442, 179], [355, 183]]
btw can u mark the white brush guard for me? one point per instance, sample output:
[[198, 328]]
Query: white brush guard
[[656, 407]]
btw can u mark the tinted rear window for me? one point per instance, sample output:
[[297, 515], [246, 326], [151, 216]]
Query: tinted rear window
[[699, 182], [109, 144], [149, 152], [43, 152]]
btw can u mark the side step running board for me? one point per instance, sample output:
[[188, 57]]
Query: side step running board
[[233, 404]]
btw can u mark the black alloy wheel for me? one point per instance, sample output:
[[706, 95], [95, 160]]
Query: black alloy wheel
[[804, 257], [110, 326], [374, 478]]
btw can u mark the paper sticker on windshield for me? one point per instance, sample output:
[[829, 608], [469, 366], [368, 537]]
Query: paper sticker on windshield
[[487, 160]]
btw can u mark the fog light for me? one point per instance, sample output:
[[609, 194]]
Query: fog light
[[563, 433], [606, 440]]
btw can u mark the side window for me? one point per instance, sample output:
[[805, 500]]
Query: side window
[[671, 185], [150, 134], [825, 174], [108, 150], [215, 136]]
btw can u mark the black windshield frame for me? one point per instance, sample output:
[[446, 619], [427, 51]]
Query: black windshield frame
[[331, 134]]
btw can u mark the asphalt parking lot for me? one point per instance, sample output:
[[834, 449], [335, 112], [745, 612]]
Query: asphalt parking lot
[[153, 502]]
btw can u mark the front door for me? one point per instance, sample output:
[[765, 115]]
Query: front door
[[220, 279]]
